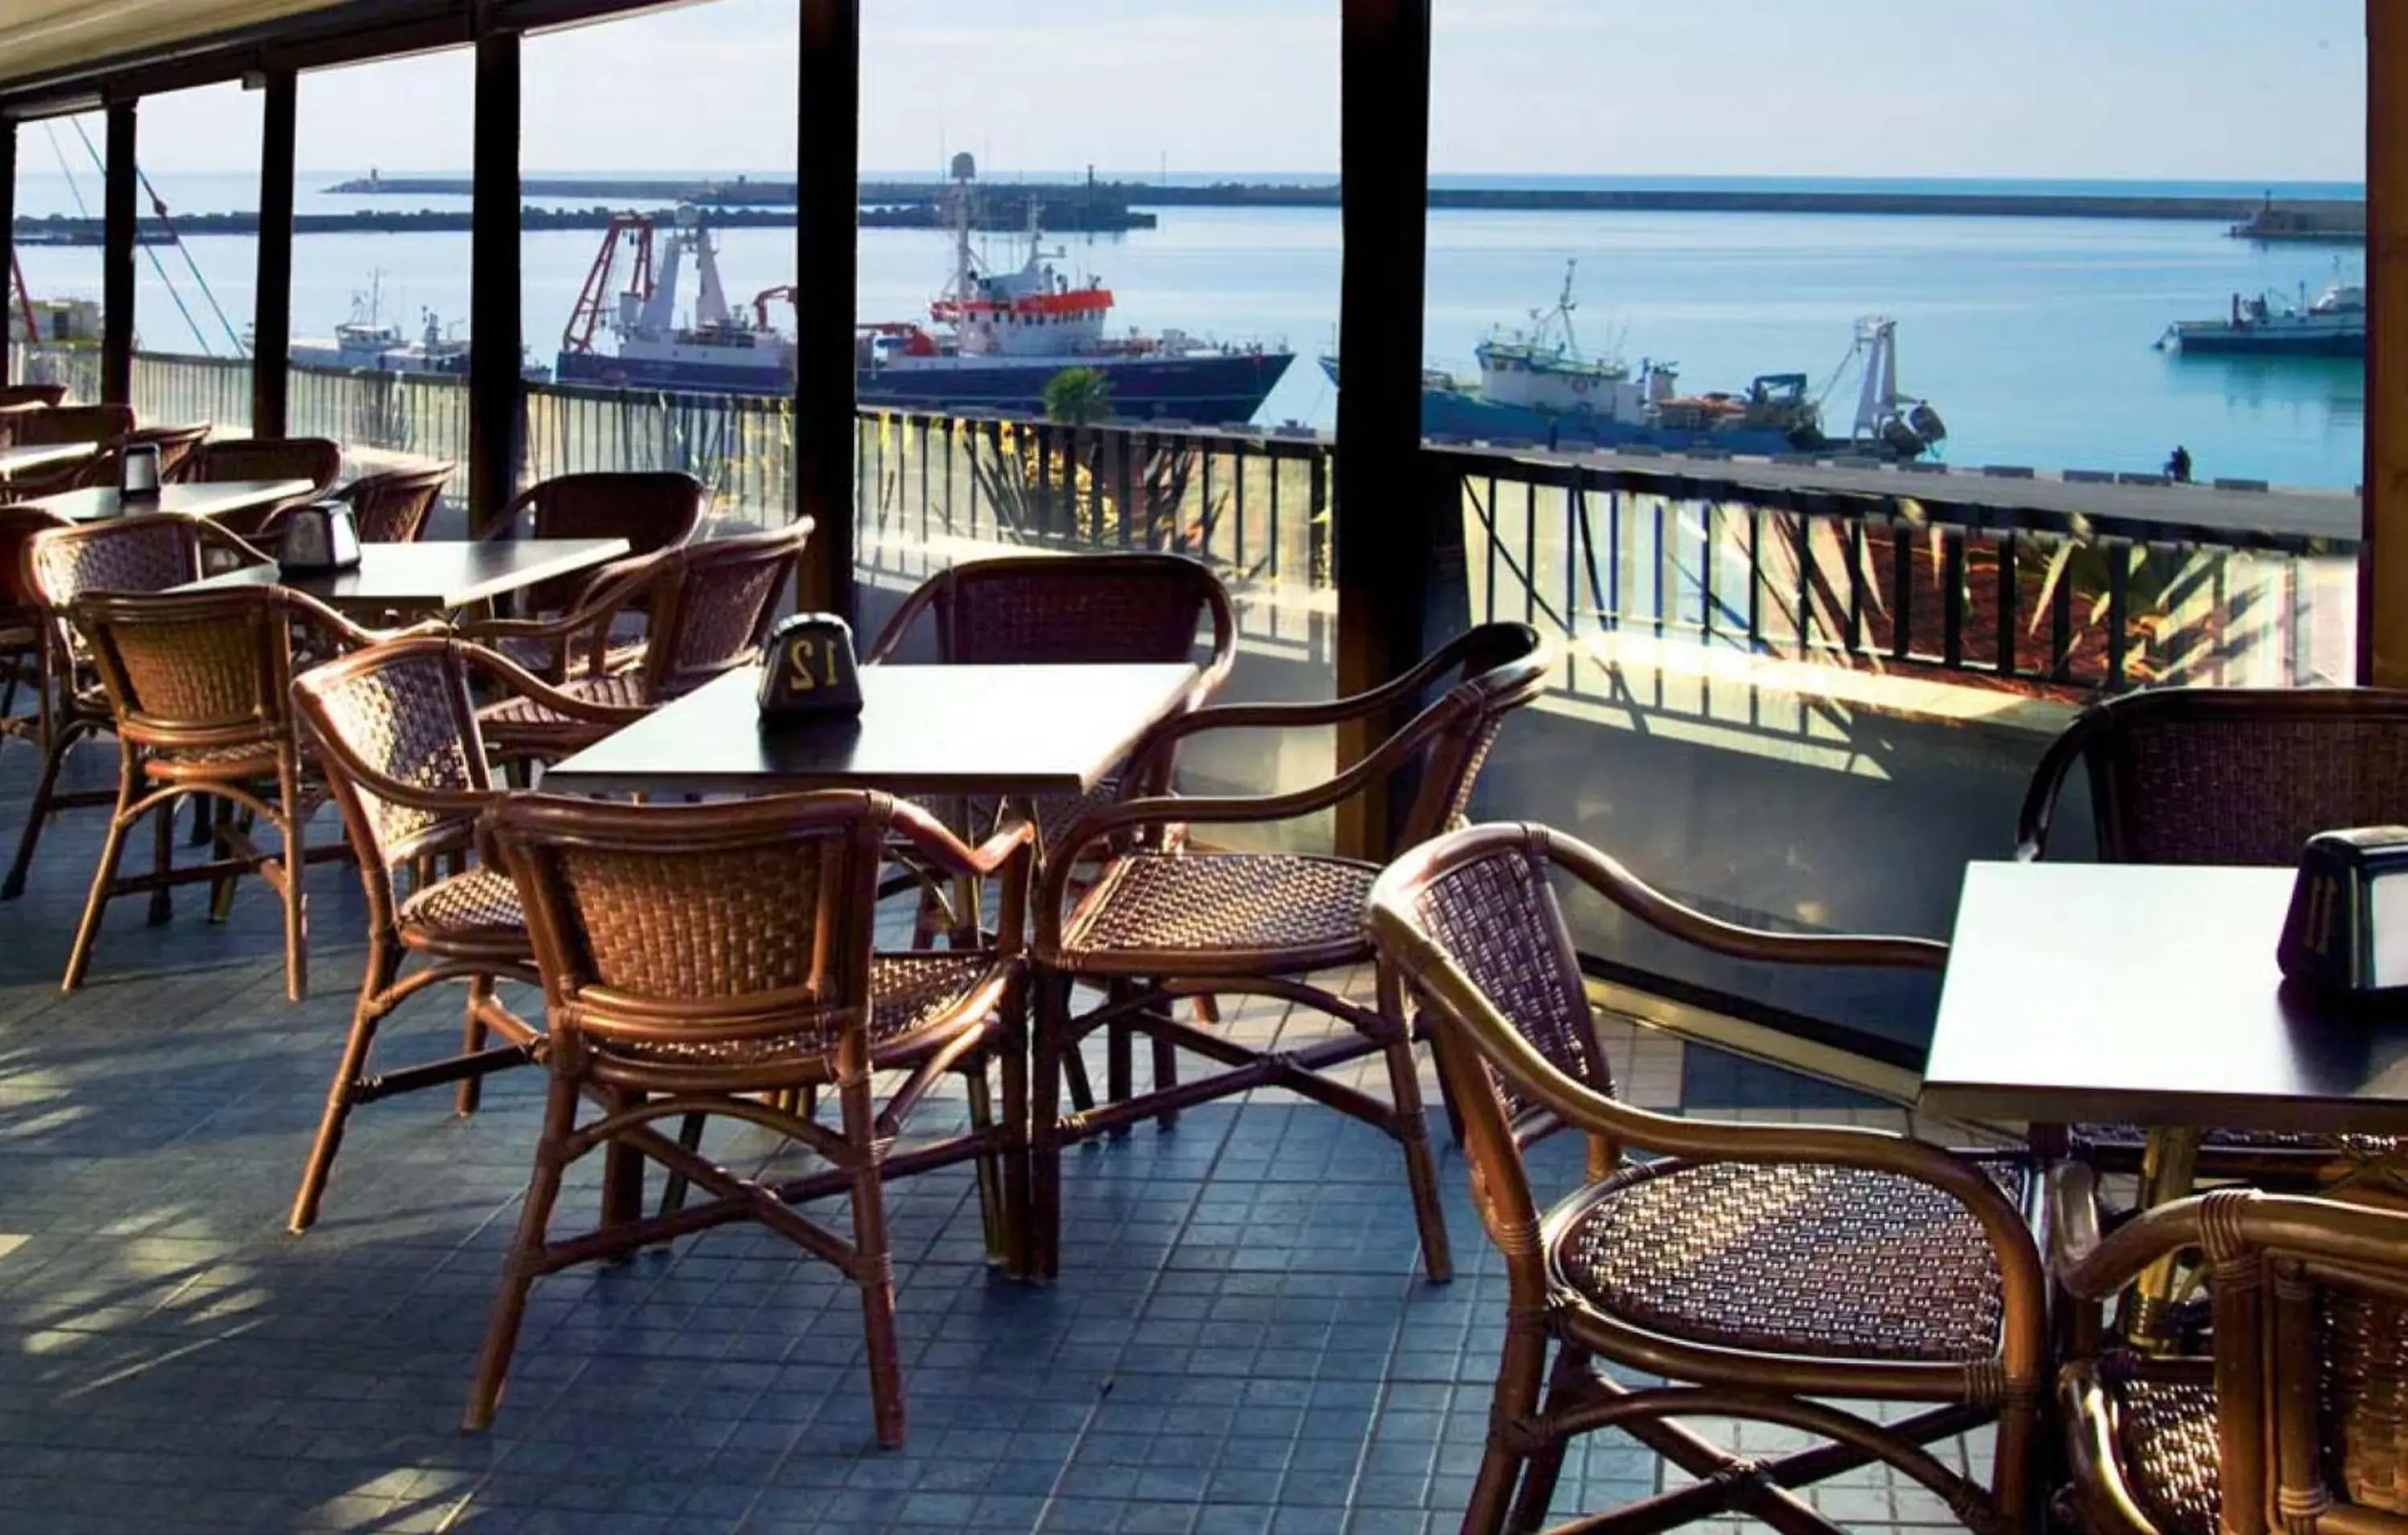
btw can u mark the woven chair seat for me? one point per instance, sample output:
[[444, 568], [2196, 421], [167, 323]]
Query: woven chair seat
[[243, 753], [1828, 1262], [907, 993], [1308, 912], [483, 902], [537, 655], [624, 689], [2165, 1435]]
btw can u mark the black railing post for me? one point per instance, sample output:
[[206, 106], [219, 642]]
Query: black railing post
[[827, 196], [117, 259], [8, 245], [1383, 543], [271, 324], [494, 381]]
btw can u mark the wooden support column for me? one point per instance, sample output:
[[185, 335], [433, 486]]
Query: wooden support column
[[272, 312], [827, 195], [7, 242], [2382, 568], [117, 259], [495, 385], [1382, 538]]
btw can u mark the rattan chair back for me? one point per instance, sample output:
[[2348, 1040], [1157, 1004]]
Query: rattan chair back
[[391, 507], [144, 553], [13, 395], [316, 460], [712, 605], [178, 445], [195, 670], [2228, 775], [21, 606], [401, 712], [652, 509], [72, 424], [2306, 1387], [682, 932], [1024, 610]]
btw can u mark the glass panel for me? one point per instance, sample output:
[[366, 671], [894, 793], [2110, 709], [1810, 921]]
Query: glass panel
[[1832, 583], [1127, 377], [700, 379], [54, 300], [197, 268], [379, 316]]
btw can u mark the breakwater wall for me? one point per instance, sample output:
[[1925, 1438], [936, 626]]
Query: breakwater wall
[[1070, 195], [59, 229]]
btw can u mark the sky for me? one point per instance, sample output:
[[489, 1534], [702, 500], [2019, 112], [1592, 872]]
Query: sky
[[2210, 90]]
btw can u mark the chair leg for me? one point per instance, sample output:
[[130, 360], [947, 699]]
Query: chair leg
[[673, 1191], [622, 1175], [104, 879], [990, 1161], [873, 1261], [526, 1253], [163, 857], [1412, 1131], [2015, 1448], [1516, 1397], [473, 1030], [1014, 1070], [1120, 1084], [203, 831], [1545, 1467], [1166, 1075], [1047, 1066], [37, 812], [296, 895], [385, 962], [222, 888]]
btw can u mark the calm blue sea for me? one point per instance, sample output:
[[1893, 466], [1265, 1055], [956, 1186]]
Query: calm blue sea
[[2033, 336]]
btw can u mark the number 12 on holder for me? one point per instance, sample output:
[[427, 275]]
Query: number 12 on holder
[[809, 668]]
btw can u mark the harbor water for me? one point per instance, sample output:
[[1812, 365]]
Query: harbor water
[[2033, 336]]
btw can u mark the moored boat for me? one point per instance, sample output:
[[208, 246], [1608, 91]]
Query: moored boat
[[2334, 324]]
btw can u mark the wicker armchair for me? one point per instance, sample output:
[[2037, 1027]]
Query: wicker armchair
[[313, 459], [652, 509], [712, 604], [1162, 919], [1764, 1272], [395, 730], [2232, 776], [718, 958], [2293, 1421], [198, 689], [1025, 609], [94, 424], [12, 395], [391, 507], [146, 553], [21, 622]]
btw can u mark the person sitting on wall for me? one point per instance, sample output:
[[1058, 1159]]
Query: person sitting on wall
[[2178, 464]]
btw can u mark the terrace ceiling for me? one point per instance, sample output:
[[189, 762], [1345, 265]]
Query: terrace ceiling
[[60, 54]]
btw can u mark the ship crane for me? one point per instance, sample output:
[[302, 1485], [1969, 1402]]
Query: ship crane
[[594, 298]]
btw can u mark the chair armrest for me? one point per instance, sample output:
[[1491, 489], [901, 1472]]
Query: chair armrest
[[526, 684], [316, 615], [2035, 820], [1008, 854], [1608, 877]]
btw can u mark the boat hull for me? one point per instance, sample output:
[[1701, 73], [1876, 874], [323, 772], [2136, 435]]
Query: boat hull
[[1216, 387], [1454, 413], [2259, 343]]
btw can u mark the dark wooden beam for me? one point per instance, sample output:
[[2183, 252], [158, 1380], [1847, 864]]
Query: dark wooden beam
[[117, 258], [1381, 537], [2382, 568], [494, 381], [826, 229], [271, 313], [8, 241]]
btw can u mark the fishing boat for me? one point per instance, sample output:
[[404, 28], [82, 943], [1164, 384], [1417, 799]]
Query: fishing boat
[[2334, 324], [1536, 385], [367, 342], [993, 339]]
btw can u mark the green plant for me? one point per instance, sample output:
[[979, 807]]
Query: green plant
[[1077, 396]]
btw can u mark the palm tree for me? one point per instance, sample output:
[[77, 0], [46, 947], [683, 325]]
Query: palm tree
[[1077, 397]]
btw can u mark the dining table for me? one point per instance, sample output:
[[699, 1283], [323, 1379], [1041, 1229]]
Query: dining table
[[2149, 996], [1013, 730], [31, 456], [195, 498], [433, 577]]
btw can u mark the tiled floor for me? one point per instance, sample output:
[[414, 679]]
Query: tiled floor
[[1239, 1342]]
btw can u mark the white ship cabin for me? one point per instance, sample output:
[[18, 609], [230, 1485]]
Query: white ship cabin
[[1032, 312], [1547, 379], [647, 325]]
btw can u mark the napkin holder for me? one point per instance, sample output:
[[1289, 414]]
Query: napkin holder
[[808, 670], [138, 472], [2347, 930], [322, 536]]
